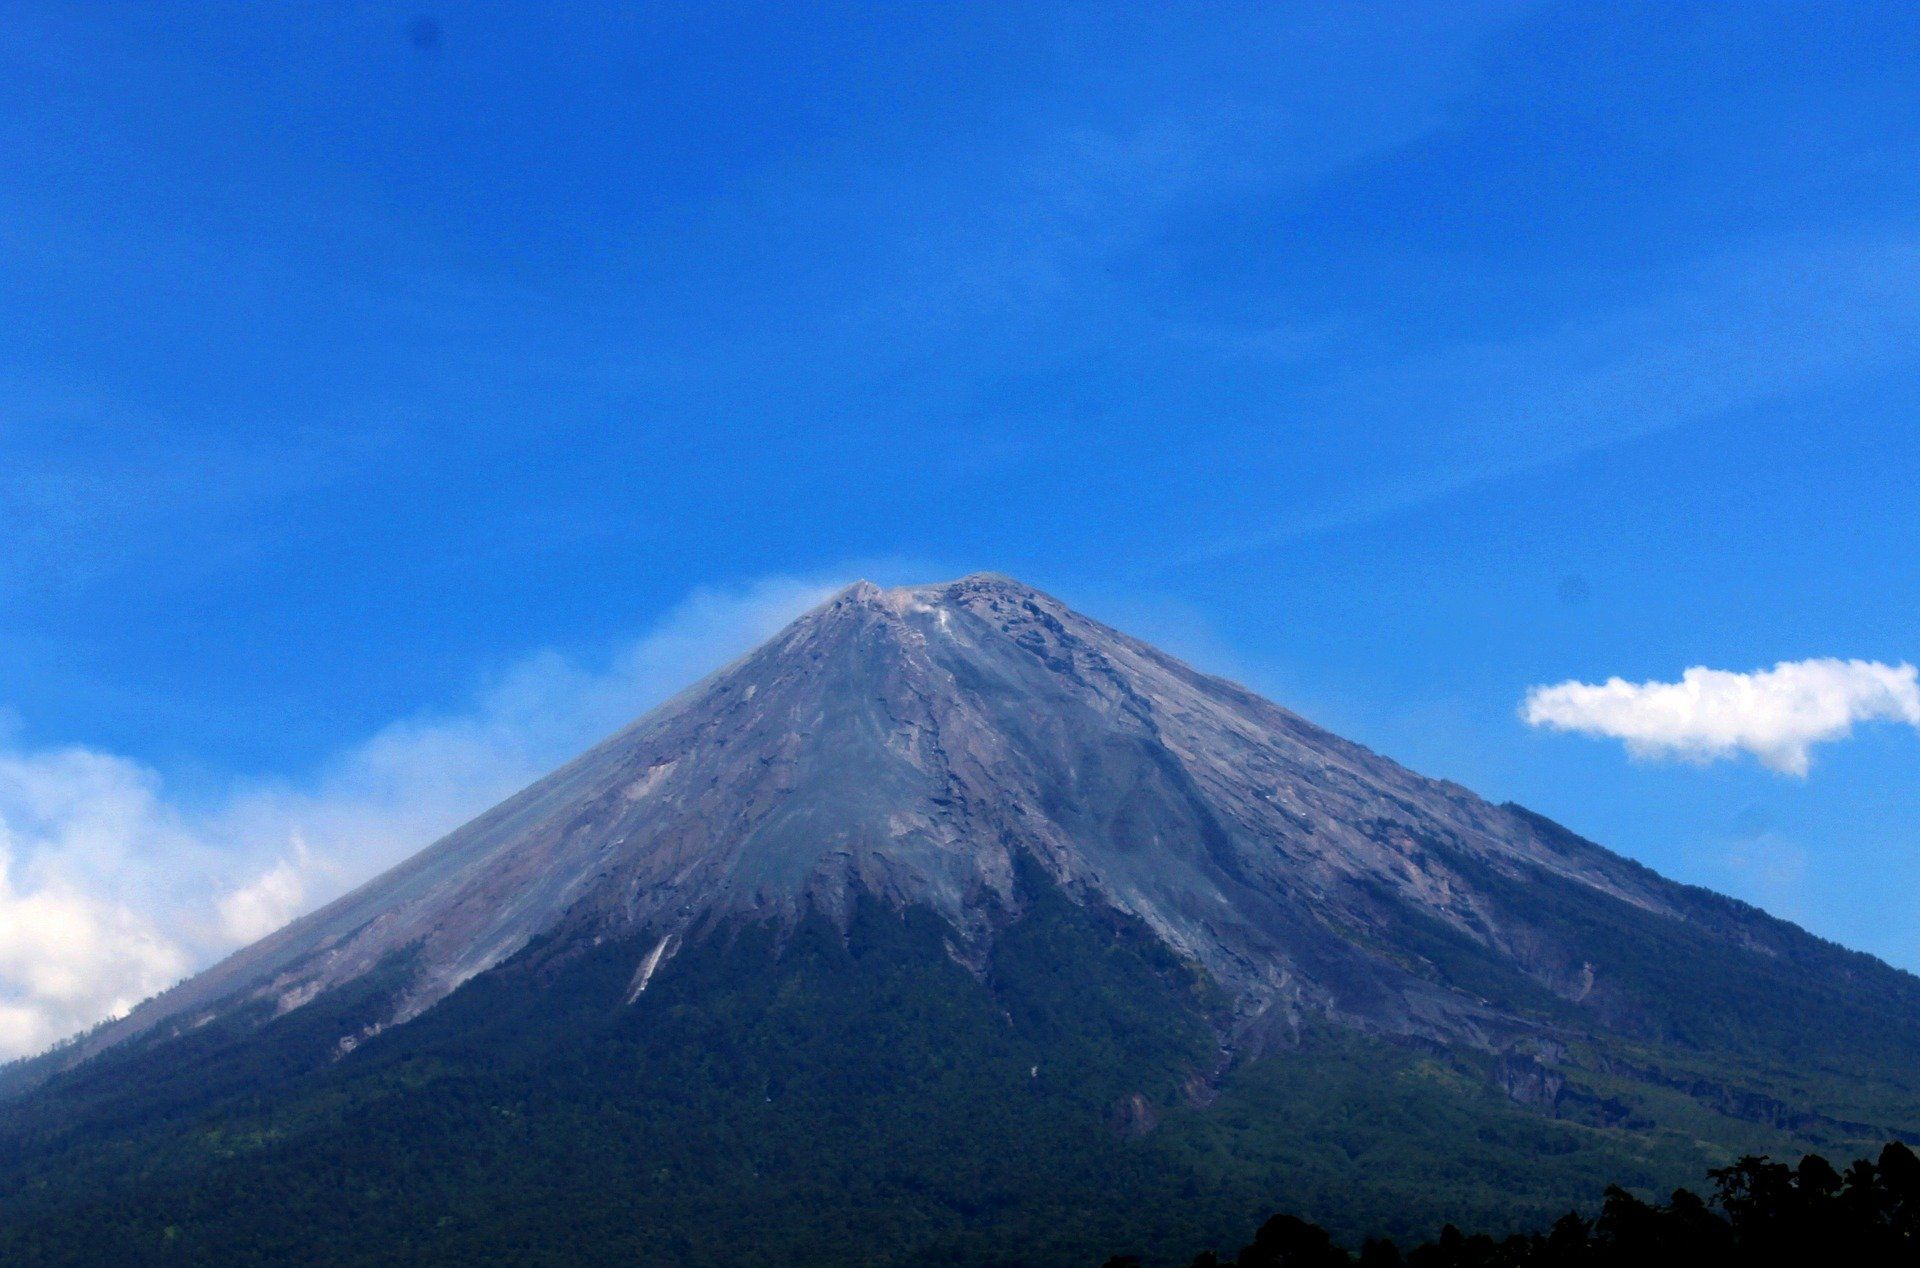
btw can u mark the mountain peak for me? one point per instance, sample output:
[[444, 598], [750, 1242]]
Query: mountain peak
[[989, 581], [998, 583], [960, 836], [928, 746]]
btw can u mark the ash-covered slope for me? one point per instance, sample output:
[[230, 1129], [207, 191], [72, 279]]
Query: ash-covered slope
[[917, 744], [952, 927]]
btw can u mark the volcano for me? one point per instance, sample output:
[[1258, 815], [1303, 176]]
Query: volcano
[[953, 926]]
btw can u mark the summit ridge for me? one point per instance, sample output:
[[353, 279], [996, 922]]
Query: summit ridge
[[923, 744]]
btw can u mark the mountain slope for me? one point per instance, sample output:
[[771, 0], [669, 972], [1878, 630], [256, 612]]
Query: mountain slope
[[914, 744], [1020, 932]]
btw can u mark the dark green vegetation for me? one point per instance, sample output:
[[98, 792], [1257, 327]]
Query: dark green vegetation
[[825, 1099], [857, 1098], [1763, 1213]]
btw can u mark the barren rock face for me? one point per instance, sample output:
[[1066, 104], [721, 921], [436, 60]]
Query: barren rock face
[[925, 745]]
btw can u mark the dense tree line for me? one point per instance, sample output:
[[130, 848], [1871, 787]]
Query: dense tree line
[[823, 1095], [1762, 1213]]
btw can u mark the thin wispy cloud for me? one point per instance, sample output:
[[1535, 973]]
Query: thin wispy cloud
[[1757, 322], [111, 889], [1775, 715]]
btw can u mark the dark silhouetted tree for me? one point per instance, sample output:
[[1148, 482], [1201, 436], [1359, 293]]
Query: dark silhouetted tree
[[1286, 1241], [1380, 1253], [1769, 1214]]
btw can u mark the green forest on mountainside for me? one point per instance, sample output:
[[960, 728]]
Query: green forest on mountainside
[[828, 1096], [1763, 1214]]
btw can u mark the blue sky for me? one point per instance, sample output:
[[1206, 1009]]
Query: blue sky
[[378, 376]]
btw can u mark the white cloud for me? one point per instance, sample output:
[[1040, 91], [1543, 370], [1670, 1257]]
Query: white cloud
[[1777, 714], [73, 950], [270, 900], [111, 890]]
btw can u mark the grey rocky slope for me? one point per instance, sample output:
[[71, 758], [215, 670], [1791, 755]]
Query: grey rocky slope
[[917, 744]]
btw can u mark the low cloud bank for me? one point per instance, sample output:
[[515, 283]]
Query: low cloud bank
[[1775, 715], [110, 890]]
